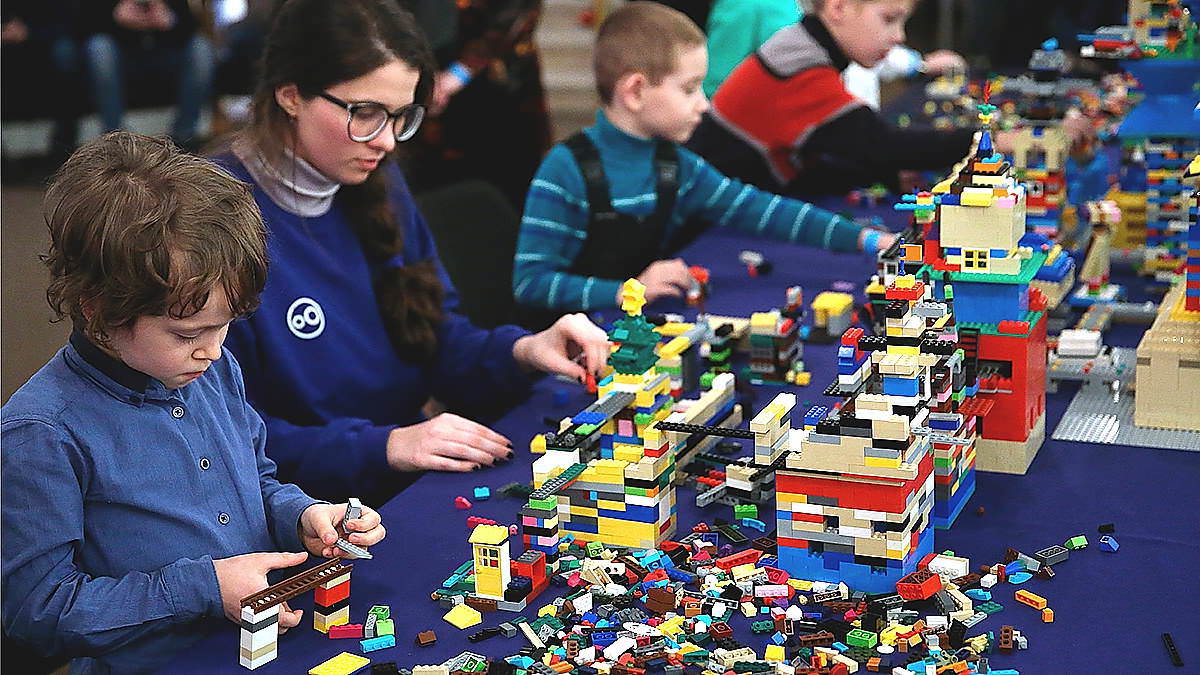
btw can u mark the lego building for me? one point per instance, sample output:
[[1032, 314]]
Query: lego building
[[855, 490], [978, 244]]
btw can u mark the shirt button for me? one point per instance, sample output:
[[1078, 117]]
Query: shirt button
[[204, 464], [177, 412], [223, 518]]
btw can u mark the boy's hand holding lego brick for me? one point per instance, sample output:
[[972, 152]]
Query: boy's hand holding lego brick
[[556, 349], [243, 575], [664, 279], [943, 61], [446, 442], [318, 529]]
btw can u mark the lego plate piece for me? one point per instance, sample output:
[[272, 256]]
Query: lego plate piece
[[342, 664]]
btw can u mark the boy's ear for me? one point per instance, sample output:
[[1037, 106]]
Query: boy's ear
[[835, 11], [630, 89], [288, 98]]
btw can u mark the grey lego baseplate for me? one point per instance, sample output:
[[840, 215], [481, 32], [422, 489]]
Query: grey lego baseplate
[[1095, 417]]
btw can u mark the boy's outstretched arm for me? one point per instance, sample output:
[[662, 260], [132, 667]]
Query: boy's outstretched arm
[[723, 201], [868, 145]]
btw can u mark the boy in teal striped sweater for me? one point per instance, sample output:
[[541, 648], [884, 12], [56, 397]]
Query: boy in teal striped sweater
[[617, 199]]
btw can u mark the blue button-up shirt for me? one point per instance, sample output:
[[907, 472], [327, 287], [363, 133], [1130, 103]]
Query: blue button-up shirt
[[118, 494]]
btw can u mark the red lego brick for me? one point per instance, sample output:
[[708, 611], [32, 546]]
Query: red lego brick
[[346, 631], [750, 555], [919, 585], [1013, 327], [328, 596], [851, 337]]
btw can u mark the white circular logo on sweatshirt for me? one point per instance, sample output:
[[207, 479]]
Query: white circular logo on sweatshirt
[[305, 318]]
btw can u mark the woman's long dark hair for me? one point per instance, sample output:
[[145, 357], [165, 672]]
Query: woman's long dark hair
[[315, 44]]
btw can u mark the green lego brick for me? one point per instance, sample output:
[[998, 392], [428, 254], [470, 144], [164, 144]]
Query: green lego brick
[[1029, 269], [1076, 543], [861, 638]]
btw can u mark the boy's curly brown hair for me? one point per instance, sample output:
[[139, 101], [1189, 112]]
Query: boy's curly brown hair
[[138, 228]]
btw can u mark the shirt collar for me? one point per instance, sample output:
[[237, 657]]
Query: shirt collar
[[609, 135], [816, 28], [113, 374], [298, 187]]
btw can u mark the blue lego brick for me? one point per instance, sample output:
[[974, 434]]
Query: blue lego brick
[[1057, 270], [588, 417], [377, 643], [989, 303], [950, 200], [616, 438], [953, 250], [901, 386], [580, 526], [946, 512], [865, 578], [815, 414]]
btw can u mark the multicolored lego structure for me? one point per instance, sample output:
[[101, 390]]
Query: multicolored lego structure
[[977, 242], [856, 489], [1161, 49], [1168, 357], [607, 474]]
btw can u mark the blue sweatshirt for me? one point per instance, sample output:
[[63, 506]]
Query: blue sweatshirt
[[318, 362], [118, 495]]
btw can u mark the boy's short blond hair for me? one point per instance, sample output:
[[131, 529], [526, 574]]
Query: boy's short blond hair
[[138, 228], [641, 37]]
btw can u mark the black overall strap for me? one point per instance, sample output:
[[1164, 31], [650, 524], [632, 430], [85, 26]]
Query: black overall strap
[[595, 183], [666, 174]]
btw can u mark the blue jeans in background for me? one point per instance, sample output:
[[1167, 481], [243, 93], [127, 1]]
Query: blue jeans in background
[[191, 66]]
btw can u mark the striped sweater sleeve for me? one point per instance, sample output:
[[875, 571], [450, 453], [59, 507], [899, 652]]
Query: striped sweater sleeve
[[728, 202], [553, 230]]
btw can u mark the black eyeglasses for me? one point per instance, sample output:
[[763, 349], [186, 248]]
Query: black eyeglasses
[[364, 121]]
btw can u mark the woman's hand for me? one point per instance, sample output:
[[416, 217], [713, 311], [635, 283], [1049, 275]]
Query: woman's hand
[[557, 349], [446, 442]]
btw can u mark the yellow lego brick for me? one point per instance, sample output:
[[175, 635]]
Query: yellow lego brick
[[327, 621], [547, 610], [774, 653], [626, 453], [790, 498], [764, 320], [802, 585], [881, 462], [674, 348], [342, 664], [463, 617], [627, 378], [609, 505], [585, 511], [976, 197], [674, 328], [538, 445], [672, 626]]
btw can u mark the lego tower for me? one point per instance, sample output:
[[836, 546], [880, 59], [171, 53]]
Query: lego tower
[[607, 474], [976, 245], [1168, 357], [855, 489]]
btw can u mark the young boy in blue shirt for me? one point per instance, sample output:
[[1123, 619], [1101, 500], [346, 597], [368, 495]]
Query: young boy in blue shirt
[[616, 200], [137, 496]]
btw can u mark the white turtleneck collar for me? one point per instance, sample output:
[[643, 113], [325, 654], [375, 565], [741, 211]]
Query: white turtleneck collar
[[297, 187]]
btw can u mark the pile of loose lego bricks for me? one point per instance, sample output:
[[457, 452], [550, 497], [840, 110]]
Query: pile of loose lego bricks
[[669, 610]]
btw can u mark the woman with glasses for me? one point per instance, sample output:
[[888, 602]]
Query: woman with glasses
[[357, 328]]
